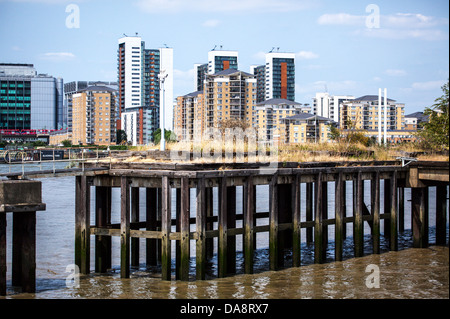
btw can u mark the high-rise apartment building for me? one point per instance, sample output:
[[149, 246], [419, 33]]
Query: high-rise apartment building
[[327, 105], [362, 113], [93, 116], [277, 77], [29, 100], [218, 60], [190, 116], [140, 93]]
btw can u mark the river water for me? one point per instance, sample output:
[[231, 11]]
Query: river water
[[407, 273]]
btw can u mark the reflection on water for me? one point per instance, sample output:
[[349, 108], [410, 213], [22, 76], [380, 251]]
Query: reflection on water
[[407, 273]]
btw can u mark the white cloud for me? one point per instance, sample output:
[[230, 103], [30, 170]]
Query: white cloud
[[16, 48], [211, 23], [173, 6], [306, 55], [428, 85], [57, 56], [341, 19], [394, 72]]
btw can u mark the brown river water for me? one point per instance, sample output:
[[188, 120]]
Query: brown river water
[[409, 273]]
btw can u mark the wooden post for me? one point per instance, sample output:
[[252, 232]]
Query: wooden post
[[273, 223], [324, 216], [339, 216], [441, 215], [296, 227], [2, 254], [318, 227], [358, 230], [344, 208], [248, 224], [200, 229], [387, 209], [135, 219], [309, 211], [394, 215], [82, 224], [419, 217], [24, 251], [124, 228], [151, 206], [401, 209], [184, 229], [231, 223], [375, 205], [177, 229], [102, 243], [223, 228], [166, 223], [284, 194], [209, 203]]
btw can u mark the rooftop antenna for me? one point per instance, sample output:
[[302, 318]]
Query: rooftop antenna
[[136, 33], [271, 49], [125, 35], [278, 49], [214, 47], [220, 47]]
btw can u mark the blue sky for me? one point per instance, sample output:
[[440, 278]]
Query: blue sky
[[337, 45]]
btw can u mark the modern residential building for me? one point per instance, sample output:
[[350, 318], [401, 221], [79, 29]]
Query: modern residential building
[[74, 87], [270, 115], [362, 113], [414, 121], [190, 116], [29, 100], [306, 128], [277, 77], [140, 93], [327, 105], [218, 60], [94, 115]]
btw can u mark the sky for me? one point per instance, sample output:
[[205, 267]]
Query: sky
[[348, 47]]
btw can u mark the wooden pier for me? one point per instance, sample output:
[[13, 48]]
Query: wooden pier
[[168, 225]]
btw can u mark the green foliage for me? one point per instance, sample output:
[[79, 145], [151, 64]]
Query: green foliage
[[121, 136], [169, 136], [435, 133], [118, 147], [66, 143]]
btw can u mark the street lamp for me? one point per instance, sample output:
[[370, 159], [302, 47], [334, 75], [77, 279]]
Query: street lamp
[[162, 77]]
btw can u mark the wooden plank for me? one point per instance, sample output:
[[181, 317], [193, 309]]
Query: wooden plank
[[358, 227], [184, 229], [2, 254], [296, 229], [441, 215], [318, 228], [248, 225], [151, 207], [201, 231], [124, 228], [375, 205], [273, 223], [339, 216], [166, 229], [222, 251], [394, 213], [134, 219]]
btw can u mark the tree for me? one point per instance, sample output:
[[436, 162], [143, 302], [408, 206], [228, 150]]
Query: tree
[[435, 134], [120, 137], [66, 143], [169, 136]]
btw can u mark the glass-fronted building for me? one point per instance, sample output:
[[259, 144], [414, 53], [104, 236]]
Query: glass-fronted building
[[28, 100]]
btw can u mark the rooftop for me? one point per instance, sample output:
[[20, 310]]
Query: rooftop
[[277, 102], [371, 98]]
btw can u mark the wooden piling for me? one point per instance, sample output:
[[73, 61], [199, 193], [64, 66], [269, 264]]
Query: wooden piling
[[401, 209], [201, 230], [296, 226], [2, 254], [231, 223], [223, 229], [209, 203], [166, 215], [339, 216], [393, 241], [309, 211], [184, 229], [284, 209], [248, 224], [151, 207], [324, 216], [82, 224], [358, 227], [273, 223], [124, 227], [387, 209], [102, 243], [318, 224], [134, 219], [375, 205], [419, 217], [441, 215]]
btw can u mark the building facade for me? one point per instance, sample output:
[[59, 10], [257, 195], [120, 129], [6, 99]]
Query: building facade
[[140, 93], [327, 105], [277, 77], [94, 116], [306, 128], [29, 100]]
